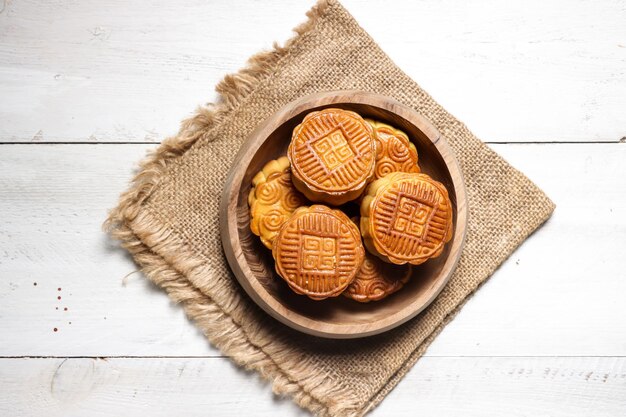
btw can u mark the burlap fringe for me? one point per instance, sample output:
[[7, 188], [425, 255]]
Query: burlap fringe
[[138, 233], [312, 390]]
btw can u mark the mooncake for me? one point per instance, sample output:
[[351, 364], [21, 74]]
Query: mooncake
[[376, 279], [406, 218], [332, 154], [394, 151], [318, 251], [272, 199]]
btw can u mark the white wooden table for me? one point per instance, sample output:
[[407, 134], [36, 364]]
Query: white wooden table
[[87, 87]]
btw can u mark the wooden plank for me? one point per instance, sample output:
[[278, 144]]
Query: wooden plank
[[561, 293], [130, 71], [521, 71], [123, 71], [435, 386], [53, 200], [558, 293]]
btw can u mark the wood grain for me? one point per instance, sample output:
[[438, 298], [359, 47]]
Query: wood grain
[[481, 387], [254, 268], [53, 199], [123, 72], [120, 71]]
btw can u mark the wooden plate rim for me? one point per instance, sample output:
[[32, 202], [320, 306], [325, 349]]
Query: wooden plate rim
[[233, 184]]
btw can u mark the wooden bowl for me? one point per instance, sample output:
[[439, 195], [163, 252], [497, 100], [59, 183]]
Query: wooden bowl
[[253, 264]]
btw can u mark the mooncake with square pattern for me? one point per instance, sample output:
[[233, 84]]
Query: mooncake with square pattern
[[318, 251], [406, 218], [332, 154]]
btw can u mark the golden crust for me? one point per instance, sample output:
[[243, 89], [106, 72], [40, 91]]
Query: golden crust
[[406, 218], [394, 151], [332, 154], [376, 279], [318, 252], [272, 200]]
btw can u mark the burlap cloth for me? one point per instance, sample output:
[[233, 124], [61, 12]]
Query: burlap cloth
[[168, 219]]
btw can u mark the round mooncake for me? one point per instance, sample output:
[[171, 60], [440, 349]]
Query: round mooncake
[[272, 200], [376, 279], [332, 154], [318, 251], [406, 218], [394, 151]]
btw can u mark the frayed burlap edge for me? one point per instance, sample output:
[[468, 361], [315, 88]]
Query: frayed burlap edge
[[133, 226], [309, 388], [224, 332], [147, 240]]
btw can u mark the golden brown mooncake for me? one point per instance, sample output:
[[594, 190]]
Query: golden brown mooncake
[[376, 279], [406, 218], [318, 252], [332, 154], [272, 200], [394, 151]]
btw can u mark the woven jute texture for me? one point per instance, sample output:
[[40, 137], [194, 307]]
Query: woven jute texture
[[168, 219]]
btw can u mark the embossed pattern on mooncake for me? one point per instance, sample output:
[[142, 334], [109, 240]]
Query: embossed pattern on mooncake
[[406, 218], [272, 200], [394, 151], [376, 280], [318, 252], [332, 154]]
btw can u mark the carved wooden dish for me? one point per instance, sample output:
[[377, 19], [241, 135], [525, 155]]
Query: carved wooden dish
[[252, 263]]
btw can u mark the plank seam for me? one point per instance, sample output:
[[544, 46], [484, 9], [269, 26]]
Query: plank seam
[[599, 142], [226, 357]]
